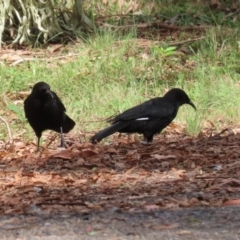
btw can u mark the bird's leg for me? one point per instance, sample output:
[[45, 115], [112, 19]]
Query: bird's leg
[[62, 139], [38, 144], [147, 139]]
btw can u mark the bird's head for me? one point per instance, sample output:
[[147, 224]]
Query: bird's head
[[42, 90], [179, 96]]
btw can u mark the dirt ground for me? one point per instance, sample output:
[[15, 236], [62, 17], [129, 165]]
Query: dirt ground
[[176, 188], [193, 223]]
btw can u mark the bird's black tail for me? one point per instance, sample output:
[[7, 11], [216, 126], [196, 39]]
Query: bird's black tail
[[68, 124], [108, 131]]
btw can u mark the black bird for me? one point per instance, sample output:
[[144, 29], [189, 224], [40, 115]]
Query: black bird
[[44, 110], [148, 118]]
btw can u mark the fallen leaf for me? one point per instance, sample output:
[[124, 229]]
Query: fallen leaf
[[65, 154], [232, 202], [55, 47], [151, 207], [87, 153], [162, 157]]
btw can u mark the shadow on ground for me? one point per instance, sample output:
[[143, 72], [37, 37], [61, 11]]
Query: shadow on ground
[[197, 223]]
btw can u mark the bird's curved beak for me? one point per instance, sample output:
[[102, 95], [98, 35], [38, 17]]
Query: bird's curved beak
[[50, 93], [192, 104]]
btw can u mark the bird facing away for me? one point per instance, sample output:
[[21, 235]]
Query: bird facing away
[[44, 110], [148, 118]]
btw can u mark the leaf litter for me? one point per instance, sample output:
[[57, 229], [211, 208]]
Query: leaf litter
[[174, 171]]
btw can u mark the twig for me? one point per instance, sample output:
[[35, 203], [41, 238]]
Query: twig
[[159, 25], [114, 15], [232, 14], [8, 128], [220, 177], [41, 59], [174, 27], [51, 140], [223, 131], [185, 41], [130, 15]]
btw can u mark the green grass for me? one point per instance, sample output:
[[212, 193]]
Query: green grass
[[112, 73], [188, 12]]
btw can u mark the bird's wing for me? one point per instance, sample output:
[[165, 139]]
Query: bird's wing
[[30, 105], [156, 108], [59, 103]]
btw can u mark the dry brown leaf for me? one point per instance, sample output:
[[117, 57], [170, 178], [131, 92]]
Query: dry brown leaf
[[214, 4], [151, 207], [24, 189], [19, 145], [87, 153], [112, 150], [55, 47], [232, 202], [162, 157], [65, 154], [131, 170], [178, 173]]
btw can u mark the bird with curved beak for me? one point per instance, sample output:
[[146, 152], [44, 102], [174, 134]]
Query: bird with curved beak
[[148, 118]]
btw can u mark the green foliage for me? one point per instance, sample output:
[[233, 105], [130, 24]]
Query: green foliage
[[16, 110], [164, 52], [33, 22]]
